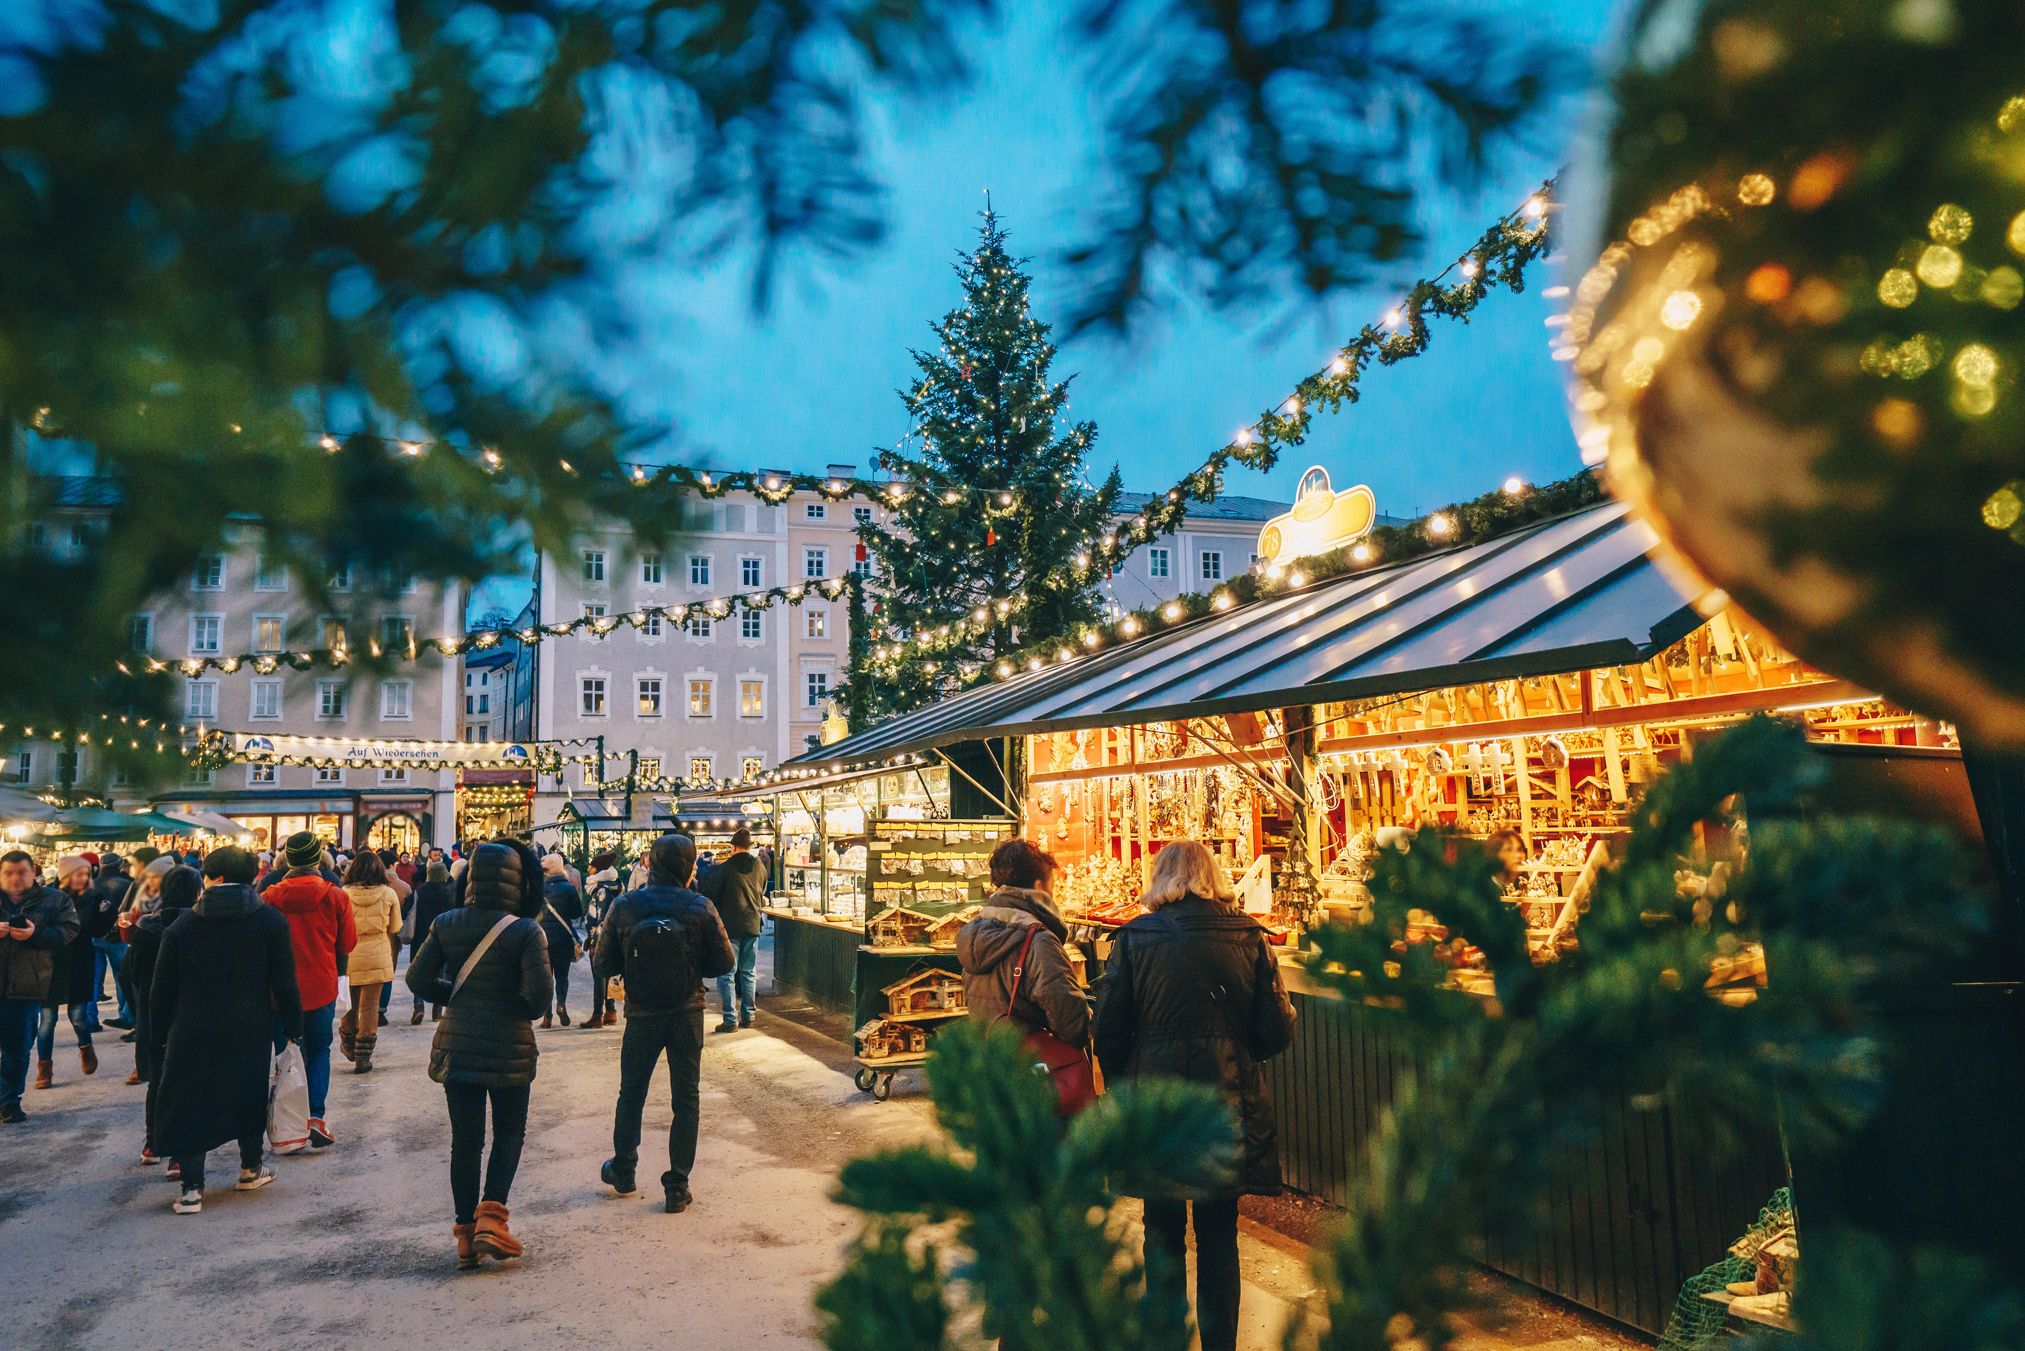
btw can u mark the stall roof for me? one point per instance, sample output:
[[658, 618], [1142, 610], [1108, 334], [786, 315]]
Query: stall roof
[[609, 813], [1569, 593], [210, 822]]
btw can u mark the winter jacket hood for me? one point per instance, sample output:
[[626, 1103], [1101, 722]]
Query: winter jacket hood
[[709, 947], [988, 947], [320, 929]]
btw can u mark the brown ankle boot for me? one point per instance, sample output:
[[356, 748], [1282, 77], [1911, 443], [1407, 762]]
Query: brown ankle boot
[[467, 1256], [362, 1061], [548, 1020], [490, 1235], [88, 1057], [594, 1022], [45, 1074]]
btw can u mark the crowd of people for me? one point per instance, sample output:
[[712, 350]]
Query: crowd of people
[[222, 962]]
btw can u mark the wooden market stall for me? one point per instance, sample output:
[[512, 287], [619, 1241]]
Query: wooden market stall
[[1533, 683]]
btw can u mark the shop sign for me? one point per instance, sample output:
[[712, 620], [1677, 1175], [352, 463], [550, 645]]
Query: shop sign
[[1322, 519]]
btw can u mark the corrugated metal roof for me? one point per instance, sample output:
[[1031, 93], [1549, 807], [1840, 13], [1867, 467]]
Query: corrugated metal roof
[[1566, 594]]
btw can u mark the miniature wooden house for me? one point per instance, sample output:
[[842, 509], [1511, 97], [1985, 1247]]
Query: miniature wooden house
[[925, 992], [942, 933], [899, 928], [881, 1040]]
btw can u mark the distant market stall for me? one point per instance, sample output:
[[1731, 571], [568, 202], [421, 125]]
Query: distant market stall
[[1530, 684]]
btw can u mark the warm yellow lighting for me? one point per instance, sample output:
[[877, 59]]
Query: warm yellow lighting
[[1939, 266], [1680, 309], [1756, 189]]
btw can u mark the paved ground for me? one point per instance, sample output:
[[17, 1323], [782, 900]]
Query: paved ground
[[353, 1247]]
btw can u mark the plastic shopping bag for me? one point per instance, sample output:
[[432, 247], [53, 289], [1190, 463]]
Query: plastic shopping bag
[[344, 998], [288, 1103]]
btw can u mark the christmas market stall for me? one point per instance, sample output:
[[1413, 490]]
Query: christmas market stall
[[626, 825], [880, 859], [1522, 690]]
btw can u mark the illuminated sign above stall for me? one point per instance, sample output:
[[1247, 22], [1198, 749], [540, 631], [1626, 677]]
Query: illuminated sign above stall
[[1322, 519]]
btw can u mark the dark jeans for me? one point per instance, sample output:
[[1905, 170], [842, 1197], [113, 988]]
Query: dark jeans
[[467, 1142], [561, 956], [18, 1018], [112, 954], [45, 1030], [1216, 1262], [648, 1036], [193, 1164]]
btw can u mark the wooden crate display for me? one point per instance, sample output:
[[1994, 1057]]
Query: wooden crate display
[[925, 992]]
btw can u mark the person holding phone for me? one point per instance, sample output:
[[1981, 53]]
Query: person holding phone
[[36, 923]]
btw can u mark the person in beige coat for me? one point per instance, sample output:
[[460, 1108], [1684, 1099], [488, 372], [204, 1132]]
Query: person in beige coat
[[376, 910]]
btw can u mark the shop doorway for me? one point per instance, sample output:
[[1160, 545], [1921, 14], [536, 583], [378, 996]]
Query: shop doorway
[[397, 831]]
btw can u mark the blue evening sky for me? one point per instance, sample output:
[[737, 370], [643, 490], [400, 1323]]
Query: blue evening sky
[[811, 381]]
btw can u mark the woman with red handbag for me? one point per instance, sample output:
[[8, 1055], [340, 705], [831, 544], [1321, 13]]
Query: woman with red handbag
[[1016, 968], [1192, 991]]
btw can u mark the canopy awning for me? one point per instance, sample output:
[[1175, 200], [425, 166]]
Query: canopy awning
[[1560, 596], [98, 823], [609, 813], [209, 823], [25, 808]]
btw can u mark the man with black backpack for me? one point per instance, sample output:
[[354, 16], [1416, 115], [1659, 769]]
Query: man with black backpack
[[665, 940]]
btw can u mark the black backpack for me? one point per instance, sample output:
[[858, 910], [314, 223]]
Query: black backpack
[[661, 970]]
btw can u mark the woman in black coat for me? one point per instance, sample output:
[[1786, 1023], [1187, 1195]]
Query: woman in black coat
[[225, 972], [179, 891], [484, 1051], [434, 895], [1192, 991], [562, 911]]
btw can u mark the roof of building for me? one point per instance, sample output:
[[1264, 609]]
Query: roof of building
[[1563, 595], [1224, 508]]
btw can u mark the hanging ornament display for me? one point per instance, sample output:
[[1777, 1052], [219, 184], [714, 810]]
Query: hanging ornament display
[[1799, 346], [990, 537]]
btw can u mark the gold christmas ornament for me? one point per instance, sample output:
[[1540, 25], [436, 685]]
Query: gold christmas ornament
[[1797, 349]]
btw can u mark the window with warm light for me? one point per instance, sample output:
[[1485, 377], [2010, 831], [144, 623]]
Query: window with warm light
[[751, 698], [701, 770], [649, 689], [750, 768], [815, 621], [269, 632], [702, 696]]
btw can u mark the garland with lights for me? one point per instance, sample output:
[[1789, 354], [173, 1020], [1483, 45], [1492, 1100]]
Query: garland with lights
[[1498, 259], [1509, 508]]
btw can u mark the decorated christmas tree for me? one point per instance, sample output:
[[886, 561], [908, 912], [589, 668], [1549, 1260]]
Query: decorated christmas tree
[[977, 577]]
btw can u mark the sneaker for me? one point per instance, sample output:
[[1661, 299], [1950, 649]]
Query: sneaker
[[319, 1134], [189, 1203], [175, 1173], [622, 1183], [253, 1179], [12, 1116], [121, 1023], [149, 1158]]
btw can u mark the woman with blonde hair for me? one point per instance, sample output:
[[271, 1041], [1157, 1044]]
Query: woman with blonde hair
[[1192, 991], [376, 913]]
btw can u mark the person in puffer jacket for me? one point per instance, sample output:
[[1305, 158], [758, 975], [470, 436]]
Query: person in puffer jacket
[[484, 1051], [1022, 903]]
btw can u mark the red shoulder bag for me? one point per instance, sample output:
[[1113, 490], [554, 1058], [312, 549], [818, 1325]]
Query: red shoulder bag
[[1075, 1085]]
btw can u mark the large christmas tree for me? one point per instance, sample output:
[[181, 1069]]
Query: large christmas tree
[[975, 577]]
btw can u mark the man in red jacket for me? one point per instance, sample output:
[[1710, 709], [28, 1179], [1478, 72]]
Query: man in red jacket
[[321, 929]]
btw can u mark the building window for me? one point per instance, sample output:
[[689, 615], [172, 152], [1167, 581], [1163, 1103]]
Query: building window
[[751, 698], [594, 609], [700, 770], [199, 778], [650, 568], [400, 581], [269, 632], [1156, 562], [862, 515], [397, 633], [485, 703], [749, 768], [200, 701], [260, 776], [141, 633], [339, 578], [697, 626], [24, 766], [207, 633], [397, 700], [270, 574], [750, 571], [122, 777], [266, 700], [699, 569], [327, 777], [333, 633], [76, 536], [702, 696], [862, 567], [594, 565], [591, 696], [393, 778], [650, 696], [652, 628], [209, 573], [815, 511], [1212, 565], [650, 768], [752, 625], [817, 688], [330, 700], [815, 563], [815, 621], [38, 536]]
